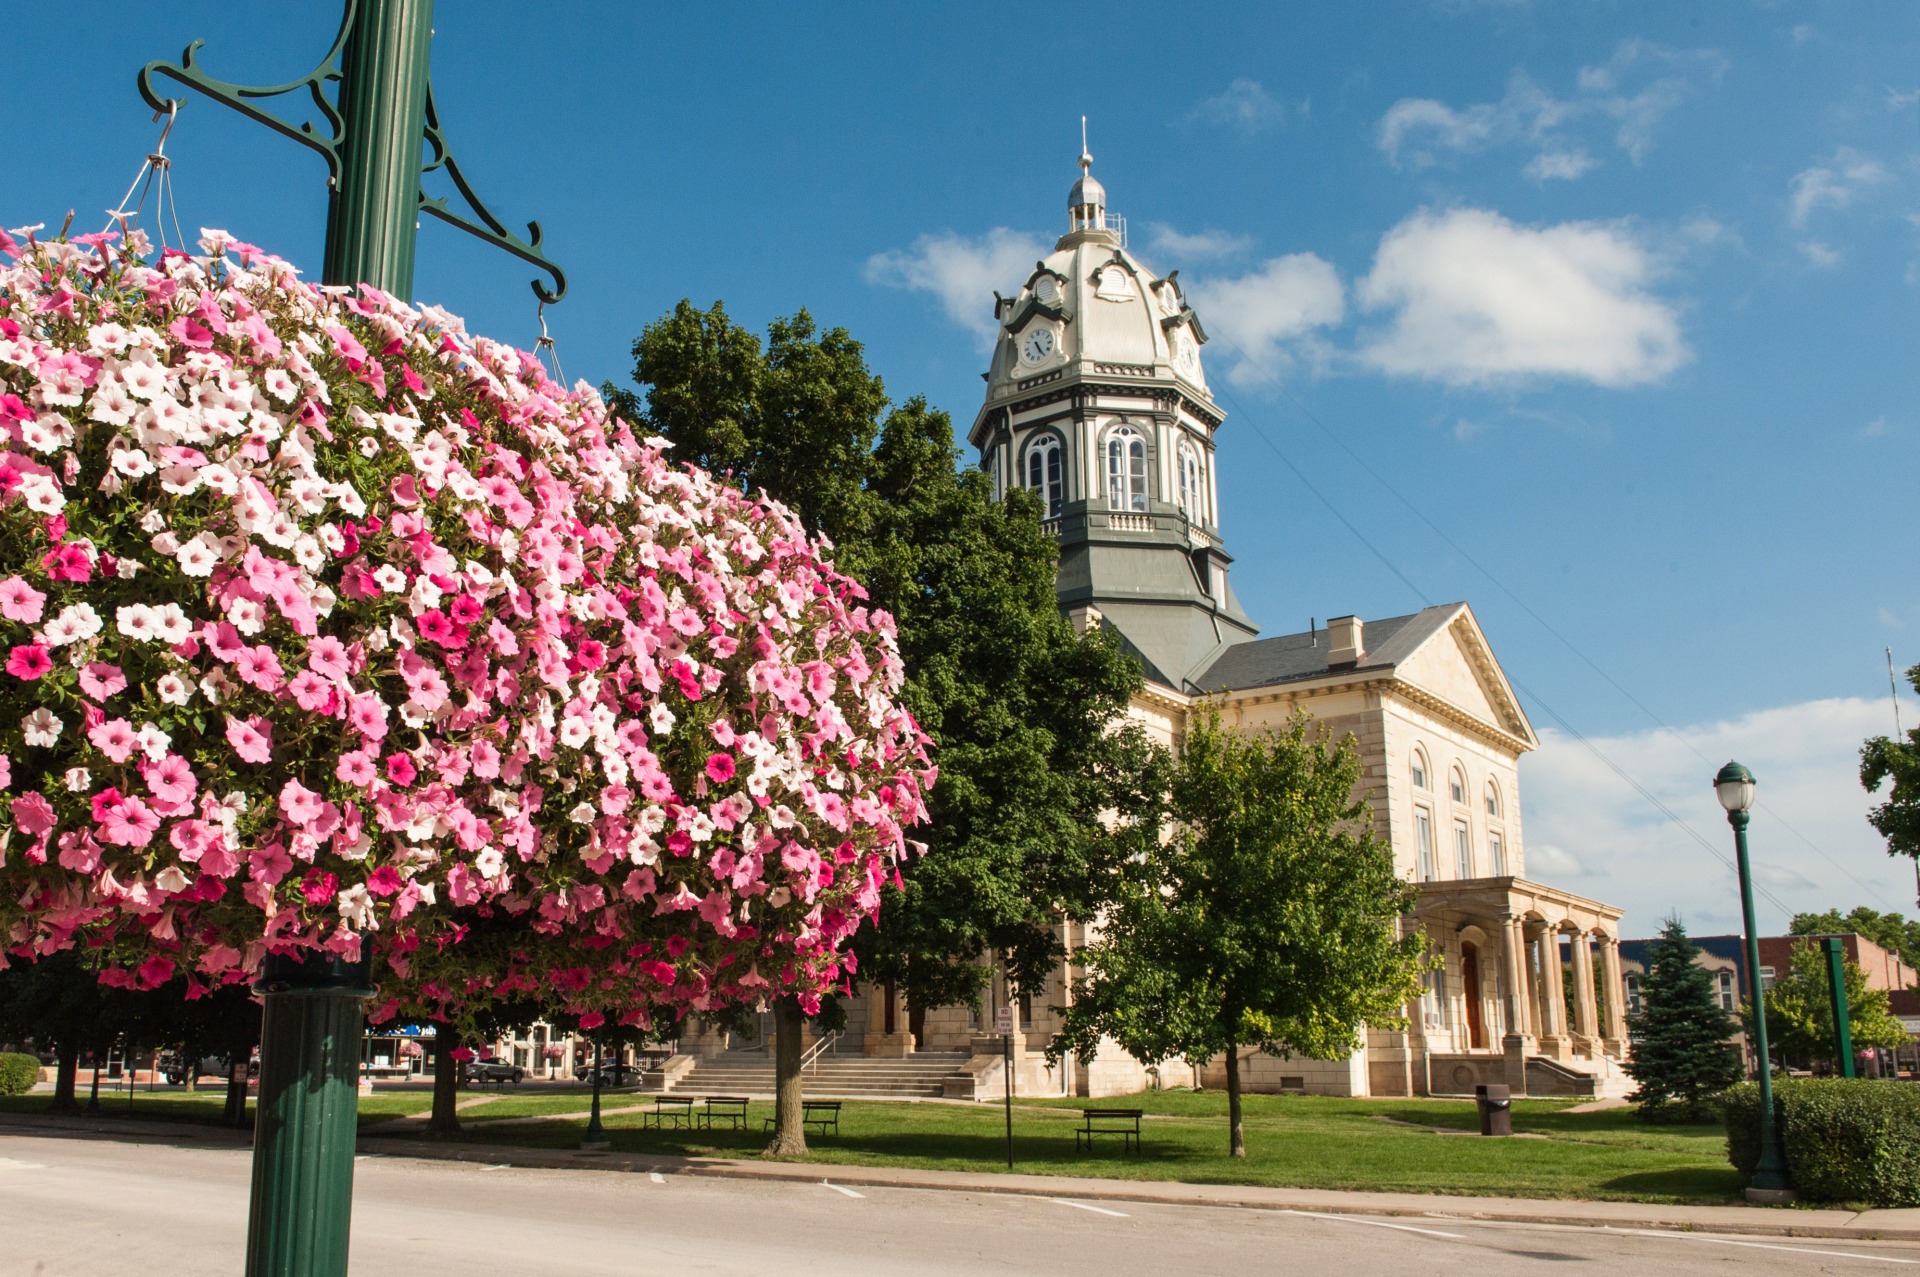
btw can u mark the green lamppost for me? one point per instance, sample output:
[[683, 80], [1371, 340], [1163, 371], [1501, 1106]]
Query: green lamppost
[[1734, 785], [375, 134], [595, 1140]]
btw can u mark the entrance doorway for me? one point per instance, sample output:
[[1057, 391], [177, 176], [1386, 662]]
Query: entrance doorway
[[1470, 989], [917, 1025]]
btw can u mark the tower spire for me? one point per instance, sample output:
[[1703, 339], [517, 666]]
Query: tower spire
[[1086, 157]]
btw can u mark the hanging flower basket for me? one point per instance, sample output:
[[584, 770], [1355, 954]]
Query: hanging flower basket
[[328, 626]]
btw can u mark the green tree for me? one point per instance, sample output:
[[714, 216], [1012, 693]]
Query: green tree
[[1884, 759], [1682, 1052], [1027, 715], [1800, 1009], [58, 1003], [1890, 931], [1259, 909]]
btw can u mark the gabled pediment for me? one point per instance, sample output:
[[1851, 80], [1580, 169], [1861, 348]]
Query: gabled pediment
[[1455, 664]]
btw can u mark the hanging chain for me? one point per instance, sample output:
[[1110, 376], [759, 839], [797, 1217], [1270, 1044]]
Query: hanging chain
[[157, 169], [545, 343]]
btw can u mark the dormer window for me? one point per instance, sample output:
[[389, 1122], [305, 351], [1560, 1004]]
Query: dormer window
[[1113, 284], [1044, 475], [1047, 289], [1126, 470]]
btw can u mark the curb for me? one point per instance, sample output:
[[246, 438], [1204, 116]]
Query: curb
[[1734, 1220]]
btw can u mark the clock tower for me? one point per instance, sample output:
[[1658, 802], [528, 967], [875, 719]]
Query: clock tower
[[1096, 401]]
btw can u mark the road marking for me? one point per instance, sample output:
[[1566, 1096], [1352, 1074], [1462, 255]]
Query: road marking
[[1098, 1210], [836, 1188], [1796, 1250], [10, 1164], [500, 1166], [1377, 1223], [656, 1177]]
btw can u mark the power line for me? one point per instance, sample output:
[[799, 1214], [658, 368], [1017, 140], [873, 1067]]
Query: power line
[[1565, 726]]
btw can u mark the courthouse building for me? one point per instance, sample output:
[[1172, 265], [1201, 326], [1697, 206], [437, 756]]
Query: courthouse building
[[1097, 400]]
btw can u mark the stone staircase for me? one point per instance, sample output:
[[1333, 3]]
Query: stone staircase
[[829, 1077]]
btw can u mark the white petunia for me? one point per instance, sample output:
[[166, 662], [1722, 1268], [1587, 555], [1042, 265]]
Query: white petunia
[[143, 380], [280, 385], [76, 623], [136, 621], [390, 579], [198, 556], [40, 728], [356, 907], [281, 531], [152, 742], [582, 814], [42, 495], [170, 623], [247, 616], [173, 689], [662, 719], [133, 463], [78, 780], [170, 880]]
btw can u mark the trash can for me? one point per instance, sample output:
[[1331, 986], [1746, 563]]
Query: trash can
[[1496, 1109]]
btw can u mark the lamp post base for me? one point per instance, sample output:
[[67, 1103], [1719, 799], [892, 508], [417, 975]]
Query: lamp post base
[[1772, 1196]]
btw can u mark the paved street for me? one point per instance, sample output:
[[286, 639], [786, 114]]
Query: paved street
[[83, 1207]]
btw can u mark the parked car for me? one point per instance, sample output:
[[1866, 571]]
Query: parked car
[[612, 1073], [174, 1066], [489, 1069]]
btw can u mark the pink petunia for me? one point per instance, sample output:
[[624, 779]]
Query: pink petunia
[[171, 779], [720, 768], [311, 692], [32, 813], [400, 769], [21, 602], [260, 667], [368, 715], [384, 881], [356, 768], [6, 772], [327, 657], [101, 680], [114, 737], [129, 823], [29, 661], [251, 738], [301, 805]]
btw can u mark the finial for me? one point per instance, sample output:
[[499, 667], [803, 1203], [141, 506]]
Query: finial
[[1086, 160]]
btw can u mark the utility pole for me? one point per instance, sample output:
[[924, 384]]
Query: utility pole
[[383, 124]]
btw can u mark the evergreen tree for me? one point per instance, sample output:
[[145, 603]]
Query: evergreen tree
[[1681, 1049]]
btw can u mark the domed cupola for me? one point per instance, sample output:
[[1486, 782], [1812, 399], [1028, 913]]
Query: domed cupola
[[1097, 402]]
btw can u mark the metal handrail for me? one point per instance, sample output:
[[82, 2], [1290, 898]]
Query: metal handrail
[[811, 1060]]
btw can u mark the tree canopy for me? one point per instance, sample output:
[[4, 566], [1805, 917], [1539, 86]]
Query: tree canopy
[[1800, 1009], [1891, 931], [1884, 759], [1028, 716], [1259, 909], [1682, 1047]]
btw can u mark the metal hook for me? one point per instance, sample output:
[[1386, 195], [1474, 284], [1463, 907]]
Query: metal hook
[[545, 342]]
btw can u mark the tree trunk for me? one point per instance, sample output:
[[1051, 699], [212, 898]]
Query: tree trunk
[[789, 1131], [66, 1076], [445, 1121], [236, 1110], [1237, 1139]]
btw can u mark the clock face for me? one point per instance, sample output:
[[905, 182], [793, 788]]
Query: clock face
[[1037, 346], [1187, 353]]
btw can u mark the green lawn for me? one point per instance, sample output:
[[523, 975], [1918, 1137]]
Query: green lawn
[[1292, 1141]]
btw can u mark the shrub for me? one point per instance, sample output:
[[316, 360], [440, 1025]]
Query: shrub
[[18, 1073], [1845, 1140]]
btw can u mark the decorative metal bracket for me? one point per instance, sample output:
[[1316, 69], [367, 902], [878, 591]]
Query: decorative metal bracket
[[477, 220]]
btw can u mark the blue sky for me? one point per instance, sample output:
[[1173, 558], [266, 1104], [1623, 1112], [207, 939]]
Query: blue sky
[[1621, 298]]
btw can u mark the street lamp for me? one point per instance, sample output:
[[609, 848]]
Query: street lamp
[[595, 1140], [1734, 786]]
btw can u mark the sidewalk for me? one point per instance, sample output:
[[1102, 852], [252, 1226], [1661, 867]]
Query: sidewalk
[[1872, 1225]]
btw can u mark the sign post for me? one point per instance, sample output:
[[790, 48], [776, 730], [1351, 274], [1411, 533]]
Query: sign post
[[1836, 951]]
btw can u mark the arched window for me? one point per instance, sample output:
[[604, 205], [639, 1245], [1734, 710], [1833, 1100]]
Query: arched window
[[1192, 495], [1493, 799], [1126, 470], [1419, 770], [1044, 474], [1457, 786]]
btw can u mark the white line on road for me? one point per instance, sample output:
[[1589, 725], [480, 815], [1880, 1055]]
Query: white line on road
[[836, 1188], [1377, 1223], [1098, 1210], [10, 1164], [500, 1166], [656, 1177], [1795, 1250]]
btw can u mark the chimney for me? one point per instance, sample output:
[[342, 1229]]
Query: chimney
[[1344, 644]]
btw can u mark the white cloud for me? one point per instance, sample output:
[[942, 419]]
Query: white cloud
[[1243, 105], [1898, 100], [1546, 862], [1272, 312], [1634, 90], [1806, 757], [962, 272], [1825, 256], [1874, 429], [1560, 165], [1205, 244], [1476, 299], [1835, 184]]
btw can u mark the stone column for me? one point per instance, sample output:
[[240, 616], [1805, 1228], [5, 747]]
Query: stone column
[[1553, 997], [1586, 1013], [1516, 1042], [1616, 993]]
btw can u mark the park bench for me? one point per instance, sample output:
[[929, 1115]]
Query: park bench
[[731, 1109], [824, 1114], [1122, 1122], [674, 1110]]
